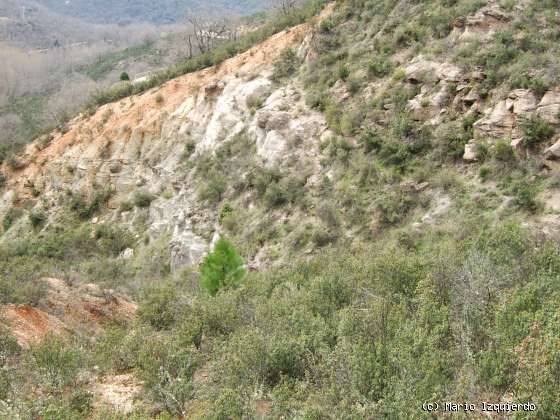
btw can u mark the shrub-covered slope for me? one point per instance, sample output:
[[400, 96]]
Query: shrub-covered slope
[[387, 171]]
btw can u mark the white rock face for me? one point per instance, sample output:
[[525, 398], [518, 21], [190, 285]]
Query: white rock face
[[549, 107], [553, 152], [470, 152], [145, 150], [497, 123]]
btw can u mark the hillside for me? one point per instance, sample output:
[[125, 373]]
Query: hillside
[[160, 12], [386, 172]]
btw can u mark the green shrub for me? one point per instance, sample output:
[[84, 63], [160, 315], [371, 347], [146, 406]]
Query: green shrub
[[213, 188], [536, 131], [143, 199], [526, 196], [394, 206], [371, 140], [484, 173], [225, 211], [37, 218], [124, 77], [354, 85], [339, 148], [503, 151], [526, 81], [190, 147], [285, 65], [126, 206], [222, 268], [56, 362], [10, 217], [254, 102], [81, 401], [380, 66], [326, 25], [227, 405], [9, 347], [112, 240], [86, 209], [159, 306], [343, 72], [167, 371]]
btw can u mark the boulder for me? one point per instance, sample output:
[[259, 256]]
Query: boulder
[[483, 22], [553, 152], [187, 249], [470, 98], [277, 121], [340, 91], [271, 147], [523, 103], [127, 254], [497, 123], [470, 152], [422, 108], [549, 107], [442, 96], [449, 72], [421, 70]]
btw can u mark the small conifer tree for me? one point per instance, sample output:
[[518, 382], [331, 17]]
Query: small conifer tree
[[222, 268], [125, 77]]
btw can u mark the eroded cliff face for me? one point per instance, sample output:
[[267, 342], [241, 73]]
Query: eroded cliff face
[[246, 120], [152, 141]]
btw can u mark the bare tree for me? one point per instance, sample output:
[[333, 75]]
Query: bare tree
[[207, 32], [285, 7]]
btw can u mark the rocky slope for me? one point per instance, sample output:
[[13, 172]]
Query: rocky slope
[[139, 143], [151, 143], [416, 141]]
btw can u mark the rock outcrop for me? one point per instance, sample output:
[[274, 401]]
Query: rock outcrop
[[139, 143]]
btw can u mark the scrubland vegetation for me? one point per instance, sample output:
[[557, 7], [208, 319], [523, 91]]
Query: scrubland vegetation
[[373, 309], [371, 332]]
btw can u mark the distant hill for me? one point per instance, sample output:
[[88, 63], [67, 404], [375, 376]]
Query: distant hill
[[160, 12], [27, 24]]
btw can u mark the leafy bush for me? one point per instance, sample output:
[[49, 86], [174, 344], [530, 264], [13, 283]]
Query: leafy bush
[[37, 218], [503, 151], [285, 65], [143, 199], [536, 131], [190, 147], [124, 77], [394, 206], [526, 196], [86, 209], [126, 206], [221, 268], [159, 306], [343, 72], [525, 81], [57, 362], [380, 67], [9, 346], [214, 187], [167, 372], [225, 211]]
